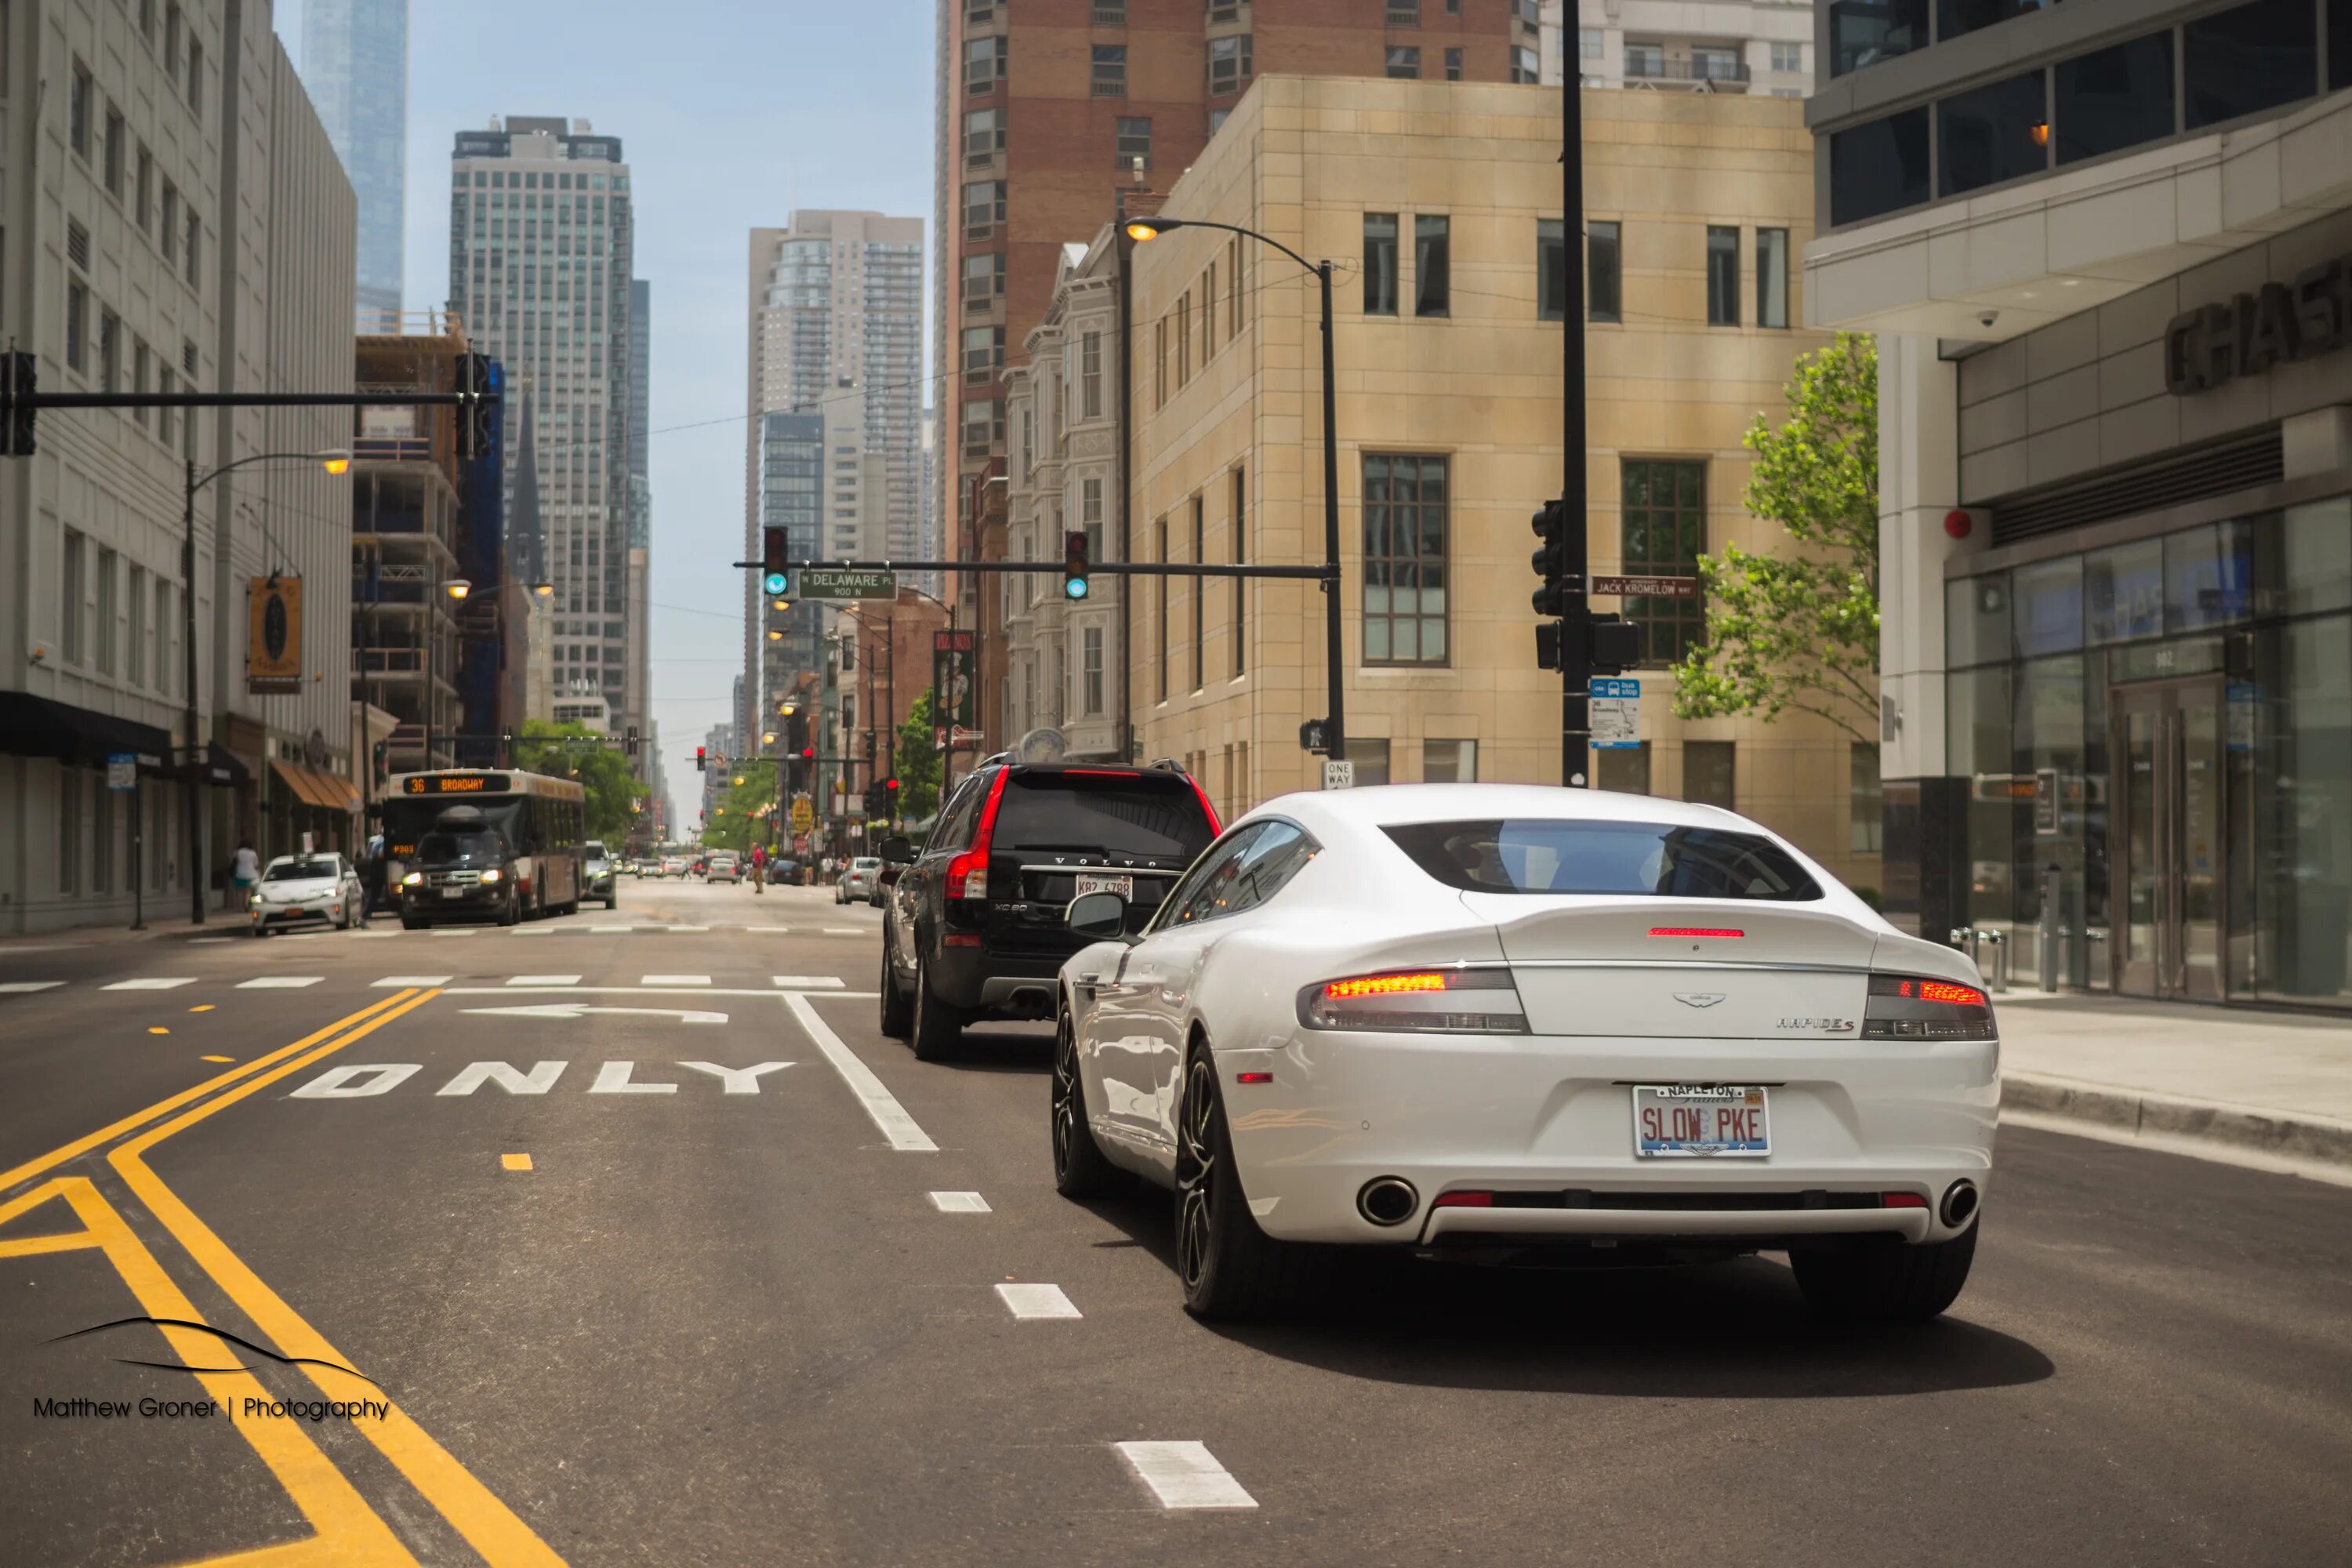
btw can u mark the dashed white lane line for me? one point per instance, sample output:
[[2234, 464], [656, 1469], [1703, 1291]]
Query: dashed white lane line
[[608, 931], [808, 982], [673, 928], [150, 983], [18, 986], [880, 1104], [544, 980], [456, 931], [674, 980], [1038, 1301], [1184, 1475], [402, 981], [208, 940], [960, 1203], [847, 931], [772, 930], [279, 983]]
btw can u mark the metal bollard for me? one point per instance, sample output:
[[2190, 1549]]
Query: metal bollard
[[2052, 932], [1999, 958]]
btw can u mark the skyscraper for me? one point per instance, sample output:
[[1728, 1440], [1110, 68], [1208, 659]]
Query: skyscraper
[[540, 250], [355, 64], [835, 314]]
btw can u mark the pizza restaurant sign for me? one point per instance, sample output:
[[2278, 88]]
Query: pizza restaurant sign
[[2251, 333]]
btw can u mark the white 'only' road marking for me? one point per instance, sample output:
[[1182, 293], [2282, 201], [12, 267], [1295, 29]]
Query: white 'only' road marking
[[1184, 1475], [544, 980], [848, 931], [674, 980], [807, 982], [280, 982], [16, 987], [150, 983], [1027, 1301], [880, 1104], [960, 1203], [578, 1009], [397, 982]]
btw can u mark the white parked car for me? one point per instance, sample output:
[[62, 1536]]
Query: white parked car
[[295, 888], [858, 884], [1492, 1022]]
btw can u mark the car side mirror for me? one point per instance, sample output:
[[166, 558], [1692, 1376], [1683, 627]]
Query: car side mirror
[[896, 851], [1098, 917]]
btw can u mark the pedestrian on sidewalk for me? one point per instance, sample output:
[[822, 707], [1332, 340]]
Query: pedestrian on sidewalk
[[244, 871]]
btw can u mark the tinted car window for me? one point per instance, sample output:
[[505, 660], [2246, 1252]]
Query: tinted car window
[[1214, 887], [1540, 855], [1275, 857], [954, 828], [1148, 816]]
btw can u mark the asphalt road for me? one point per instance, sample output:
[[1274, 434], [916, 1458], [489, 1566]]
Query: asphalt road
[[671, 1280]]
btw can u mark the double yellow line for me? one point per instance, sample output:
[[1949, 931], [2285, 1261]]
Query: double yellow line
[[349, 1531]]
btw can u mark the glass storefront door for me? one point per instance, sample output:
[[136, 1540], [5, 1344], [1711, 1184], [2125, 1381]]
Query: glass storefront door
[[2169, 868]]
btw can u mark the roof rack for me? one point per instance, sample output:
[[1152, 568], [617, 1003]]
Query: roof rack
[[990, 762], [1169, 765]]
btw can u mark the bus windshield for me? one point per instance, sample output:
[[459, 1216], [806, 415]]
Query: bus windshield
[[441, 848]]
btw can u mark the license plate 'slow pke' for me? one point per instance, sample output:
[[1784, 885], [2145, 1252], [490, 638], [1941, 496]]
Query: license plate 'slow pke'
[[1700, 1120]]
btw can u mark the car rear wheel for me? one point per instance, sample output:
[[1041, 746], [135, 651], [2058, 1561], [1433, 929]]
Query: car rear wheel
[[1889, 1282], [897, 1011], [1079, 1169], [938, 1028], [1228, 1268]]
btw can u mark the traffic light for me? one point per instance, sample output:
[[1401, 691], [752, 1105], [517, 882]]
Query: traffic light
[[775, 562], [872, 745], [1612, 644], [476, 384], [1073, 564], [23, 379], [1550, 560], [701, 760]]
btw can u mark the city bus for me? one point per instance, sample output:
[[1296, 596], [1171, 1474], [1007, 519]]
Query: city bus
[[541, 820]]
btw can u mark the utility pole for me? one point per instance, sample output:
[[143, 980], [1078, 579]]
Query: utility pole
[[1575, 633]]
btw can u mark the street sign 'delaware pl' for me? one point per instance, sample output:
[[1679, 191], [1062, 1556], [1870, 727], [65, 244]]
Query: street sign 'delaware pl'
[[836, 584]]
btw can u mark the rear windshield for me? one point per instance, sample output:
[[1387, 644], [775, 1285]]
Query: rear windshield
[[299, 871], [1541, 855], [1150, 816]]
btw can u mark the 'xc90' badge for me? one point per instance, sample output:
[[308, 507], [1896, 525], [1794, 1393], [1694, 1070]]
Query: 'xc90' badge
[[1699, 998]]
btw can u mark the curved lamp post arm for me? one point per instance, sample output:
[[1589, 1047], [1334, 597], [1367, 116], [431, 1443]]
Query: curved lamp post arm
[[1142, 229], [330, 458]]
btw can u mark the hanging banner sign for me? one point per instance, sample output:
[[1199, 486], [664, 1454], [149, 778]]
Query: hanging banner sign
[[273, 636], [953, 660]]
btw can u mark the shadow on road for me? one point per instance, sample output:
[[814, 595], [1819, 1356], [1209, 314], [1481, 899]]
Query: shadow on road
[[1719, 1330], [1004, 1047]]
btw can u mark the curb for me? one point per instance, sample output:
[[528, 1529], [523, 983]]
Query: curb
[[2137, 1115]]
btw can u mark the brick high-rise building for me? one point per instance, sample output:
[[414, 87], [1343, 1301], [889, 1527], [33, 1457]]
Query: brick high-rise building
[[1049, 109]]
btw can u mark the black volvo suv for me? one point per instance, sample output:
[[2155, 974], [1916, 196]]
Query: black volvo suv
[[973, 926]]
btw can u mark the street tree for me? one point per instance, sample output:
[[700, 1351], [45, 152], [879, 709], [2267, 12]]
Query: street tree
[[1800, 629], [746, 811], [917, 763], [574, 750]]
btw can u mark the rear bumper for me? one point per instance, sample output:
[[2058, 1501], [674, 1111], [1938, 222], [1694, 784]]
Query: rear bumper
[[976, 980], [1551, 1120]]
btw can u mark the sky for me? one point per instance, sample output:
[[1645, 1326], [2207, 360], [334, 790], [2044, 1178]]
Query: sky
[[732, 113]]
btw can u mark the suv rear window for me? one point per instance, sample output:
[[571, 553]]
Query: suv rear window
[[1546, 855], [1148, 816]]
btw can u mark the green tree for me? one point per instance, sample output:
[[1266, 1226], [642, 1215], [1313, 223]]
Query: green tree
[[917, 763], [745, 811], [568, 752], [1801, 630]]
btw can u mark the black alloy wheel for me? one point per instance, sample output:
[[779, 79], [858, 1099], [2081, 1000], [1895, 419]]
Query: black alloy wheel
[[1199, 1170], [938, 1027], [898, 1011], [1228, 1267], [1080, 1170]]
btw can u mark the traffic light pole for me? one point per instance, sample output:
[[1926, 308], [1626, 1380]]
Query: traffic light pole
[[1576, 629]]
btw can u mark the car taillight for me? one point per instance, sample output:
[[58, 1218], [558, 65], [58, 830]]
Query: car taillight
[[1905, 1007], [1437, 1001], [967, 875]]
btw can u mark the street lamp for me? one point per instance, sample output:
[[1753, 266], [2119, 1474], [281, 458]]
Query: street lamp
[[1335, 728], [335, 461], [461, 588]]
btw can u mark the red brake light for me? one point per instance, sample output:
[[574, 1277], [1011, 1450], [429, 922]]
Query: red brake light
[[1902, 1201], [1696, 930], [1944, 991], [967, 875], [1464, 1201], [1906, 1008], [1385, 985]]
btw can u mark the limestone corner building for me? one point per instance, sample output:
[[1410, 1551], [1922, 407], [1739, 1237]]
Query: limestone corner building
[[175, 218], [2105, 250], [1440, 202]]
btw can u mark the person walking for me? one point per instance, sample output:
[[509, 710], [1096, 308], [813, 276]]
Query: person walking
[[244, 871], [759, 867]]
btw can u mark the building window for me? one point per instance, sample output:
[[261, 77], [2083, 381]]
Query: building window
[[1788, 57], [1771, 277], [1865, 32], [135, 599], [1866, 813], [1625, 769], [2248, 60], [1404, 64], [194, 242], [1714, 65], [145, 189], [72, 586], [983, 354], [1710, 773], [1454, 65], [165, 382], [1110, 13], [1200, 598], [77, 327], [1646, 61], [1449, 762], [171, 42], [1229, 64], [1371, 760], [1183, 334], [977, 427], [1240, 515], [110, 351], [103, 623], [1134, 144], [1433, 248], [1552, 270], [1162, 617], [1404, 12], [1111, 71], [1954, 17], [170, 232], [1404, 508], [1722, 277], [2116, 97], [1589, 43], [1879, 167], [111, 162], [984, 281], [138, 359], [983, 135], [1525, 64], [984, 62], [1999, 131], [1090, 669], [1090, 378], [1664, 519], [1380, 264], [195, 76], [1603, 272], [983, 208]]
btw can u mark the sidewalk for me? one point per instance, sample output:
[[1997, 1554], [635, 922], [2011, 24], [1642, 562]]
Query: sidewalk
[[2271, 1085]]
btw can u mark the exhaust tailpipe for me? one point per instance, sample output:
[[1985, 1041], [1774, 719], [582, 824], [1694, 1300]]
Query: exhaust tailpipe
[[1388, 1200], [1960, 1203]]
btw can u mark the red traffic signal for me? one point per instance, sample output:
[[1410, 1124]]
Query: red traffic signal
[[701, 760], [890, 784], [808, 754]]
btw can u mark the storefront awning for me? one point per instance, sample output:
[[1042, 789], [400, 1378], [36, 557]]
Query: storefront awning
[[220, 768], [337, 792], [34, 726], [314, 788]]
